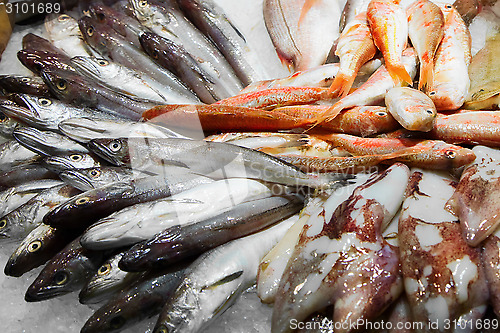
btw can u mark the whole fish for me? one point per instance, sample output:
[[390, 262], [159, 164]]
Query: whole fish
[[39, 246], [46, 113], [13, 154], [114, 47], [85, 129], [32, 85], [389, 28], [175, 58], [64, 162], [373, 91], [413, 109], [76, 89], [90, 206], [213, 281], [15, 196], [211, 19], [92, 178], [355, 47], [65, 34], [67, 271], [166, 19], [293, 26], [142, 221], [213, 159], [141, 300], [47, 143], [453, 56], [24, 173], [180, 242], [425, 29], [444, 277], [108, 280], [475, 202], [22, 220], [124, 78]]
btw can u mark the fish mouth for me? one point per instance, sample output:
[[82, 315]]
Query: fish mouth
[[36, 294], [17, 111], [77, 180], [56, 164], [31, 138], [14, 267], [103, 152]]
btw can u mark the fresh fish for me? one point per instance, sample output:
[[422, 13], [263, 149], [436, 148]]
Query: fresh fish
[[116, 75], [443, 277], [15, 196], [351, 9], [24, 173], [484, 88], [65, 34], [166, 19], [66, 272], [142, 221], [36, 61], [7, 124], [175, 58], [217, 118], [180, 242], [468, 9], [413, 109], [214, 281], [389, 27], [85, 129], [39, 246], [92, 178], [90, 206], [355, 47], [47, 143], [108, 280], [338, 249], [468, 127], [32, 41], [64, 162], [453, 56], [78, 90], [293, 26], [22, 220], [475, 202], [13, 154], [112, 46], [46, 113], [491, 263], [142, 300], [32, 85], [211, 19], [373, 91], [213, 159], [425, 29]]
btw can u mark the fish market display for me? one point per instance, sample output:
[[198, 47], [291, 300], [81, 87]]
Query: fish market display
[[229, 166]]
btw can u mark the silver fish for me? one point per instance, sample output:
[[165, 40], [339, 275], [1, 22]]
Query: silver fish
[[61, 163], [33, 85], [47, 143], [65, 34], [12, 154], [7, 125], [91, 178]]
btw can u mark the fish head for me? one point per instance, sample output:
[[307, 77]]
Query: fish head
[[115, 151], [92, 66], [32, 138], [7, 124], [36, 60], [456, 156], [35, 42], [61, 25], [94, 34], [87, 179], [15, 83], [142, 9], [9, 225], [71, 161], [66, 85], [447, 96]]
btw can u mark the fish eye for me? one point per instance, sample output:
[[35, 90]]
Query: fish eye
[[76, 157], [44, 101], [432, 93], [25, 79], [61, 84], [63, 18], [161, 329], [104, 269], [3, 117], [81, 201], [115, 146], [381, 113], [34, 246], [3, 223], [94, 173], [117, 322], [143, 3], [448, 6], [90, 31], [430, 111], [102, 62], [61, 278], [450, 154]]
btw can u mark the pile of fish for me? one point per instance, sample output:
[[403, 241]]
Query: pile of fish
[[153, 165]]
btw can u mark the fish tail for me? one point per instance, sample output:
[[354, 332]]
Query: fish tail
[[342, 84], [305, 9], [399, 73], [426, 74]]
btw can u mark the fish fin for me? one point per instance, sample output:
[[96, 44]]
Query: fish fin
[[305, 9], [342, 85], [426, 79], [328, 115], [398, 73]]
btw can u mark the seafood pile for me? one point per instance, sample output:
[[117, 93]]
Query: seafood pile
[[156, 166]]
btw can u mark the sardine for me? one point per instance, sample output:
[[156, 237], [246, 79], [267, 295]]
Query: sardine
[[92, 178], [67, 271], [32, 85], [142, 221], [180, 242], [64, 162], [47, 143], [22, 220], [443, 277], [214, 281], [213, 159], [65, 34], [90, 206], [413, 109]]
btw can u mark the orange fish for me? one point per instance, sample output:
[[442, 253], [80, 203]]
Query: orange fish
[[389, 28]]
